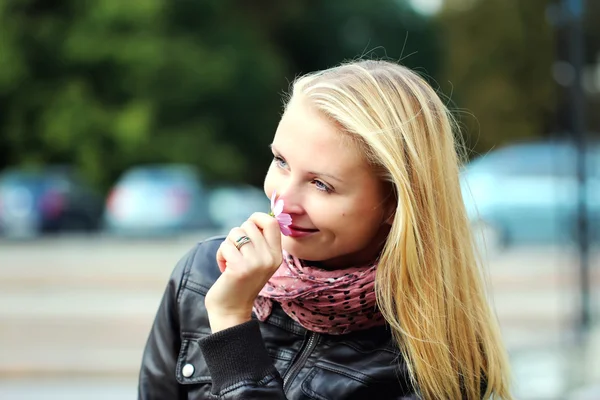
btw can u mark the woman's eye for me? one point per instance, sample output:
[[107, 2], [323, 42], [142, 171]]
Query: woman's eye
[[280, 162], [321, 186]]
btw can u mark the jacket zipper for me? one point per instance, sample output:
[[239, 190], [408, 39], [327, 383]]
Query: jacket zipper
[[291, 373]]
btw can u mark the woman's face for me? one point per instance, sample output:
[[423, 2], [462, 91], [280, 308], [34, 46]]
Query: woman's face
[[338, 205]]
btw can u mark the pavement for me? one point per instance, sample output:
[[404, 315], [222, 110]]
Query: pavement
[[75, 313]]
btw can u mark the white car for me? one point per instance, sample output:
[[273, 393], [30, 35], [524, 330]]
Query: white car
[[231, 205], [156, 200], [527, 193]]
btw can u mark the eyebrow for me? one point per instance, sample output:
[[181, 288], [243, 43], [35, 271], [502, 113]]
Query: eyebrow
[[314, 173]]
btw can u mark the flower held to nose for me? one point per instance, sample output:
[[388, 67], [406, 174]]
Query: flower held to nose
[[284, 219]]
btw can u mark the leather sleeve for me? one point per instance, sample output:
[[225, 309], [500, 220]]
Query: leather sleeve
[[240, 365], [157, 374]]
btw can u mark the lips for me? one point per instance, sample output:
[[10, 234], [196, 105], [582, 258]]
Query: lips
[[301, 229], [300, 232]]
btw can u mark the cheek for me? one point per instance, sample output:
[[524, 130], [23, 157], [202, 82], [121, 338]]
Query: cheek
[[334, 219], [364, 220]]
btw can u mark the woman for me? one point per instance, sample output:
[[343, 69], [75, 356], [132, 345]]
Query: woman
[[375, 293]]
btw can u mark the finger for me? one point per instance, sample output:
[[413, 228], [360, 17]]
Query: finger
[[256, 236], [235, 233], [221, 261], [234, 237], [265, 254], [230, 253], [269, 227]]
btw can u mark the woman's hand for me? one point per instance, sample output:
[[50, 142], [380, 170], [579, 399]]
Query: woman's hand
[[244, 272]]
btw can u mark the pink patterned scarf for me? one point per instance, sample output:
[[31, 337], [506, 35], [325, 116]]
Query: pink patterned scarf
[[333, 302]]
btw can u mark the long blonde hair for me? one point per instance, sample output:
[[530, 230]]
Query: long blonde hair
[[429, 287]]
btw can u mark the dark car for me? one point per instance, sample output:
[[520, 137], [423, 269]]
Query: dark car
[[49, 200]]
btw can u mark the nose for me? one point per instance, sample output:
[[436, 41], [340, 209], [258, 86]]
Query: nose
[[292, 198]]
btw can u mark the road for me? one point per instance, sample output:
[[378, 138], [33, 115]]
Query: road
[[75, 313]]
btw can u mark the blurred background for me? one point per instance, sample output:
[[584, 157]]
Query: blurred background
[[131, 130]]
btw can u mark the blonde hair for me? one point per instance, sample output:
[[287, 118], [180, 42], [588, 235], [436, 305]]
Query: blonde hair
[[429, 287]]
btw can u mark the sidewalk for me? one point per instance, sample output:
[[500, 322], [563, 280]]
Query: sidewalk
[[565, 371], [536, 295], [93, 302]]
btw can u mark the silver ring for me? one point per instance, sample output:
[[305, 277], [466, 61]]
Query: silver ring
[[241, 241]]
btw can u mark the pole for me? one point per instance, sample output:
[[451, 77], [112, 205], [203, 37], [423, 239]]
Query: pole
[[576, 58]]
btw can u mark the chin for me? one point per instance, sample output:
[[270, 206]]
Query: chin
[[303, 251], [294, 248]]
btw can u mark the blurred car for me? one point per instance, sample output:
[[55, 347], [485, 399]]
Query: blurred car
[[157, 199], [231, 205], [527, 193], [53, 199]]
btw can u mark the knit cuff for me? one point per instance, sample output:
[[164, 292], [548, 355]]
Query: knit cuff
[[236, 354]]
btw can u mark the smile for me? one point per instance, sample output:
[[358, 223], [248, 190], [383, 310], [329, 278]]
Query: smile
[[301, 232]]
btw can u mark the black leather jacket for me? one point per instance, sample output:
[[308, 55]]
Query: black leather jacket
[[281, 360]]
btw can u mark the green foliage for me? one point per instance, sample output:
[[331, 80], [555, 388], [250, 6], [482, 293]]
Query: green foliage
[[324, 33], [106, 84], [498, 70]]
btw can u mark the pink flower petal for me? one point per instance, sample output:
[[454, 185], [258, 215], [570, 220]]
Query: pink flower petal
[[284, 219], [273, 196], [285, 230], [278, 207]]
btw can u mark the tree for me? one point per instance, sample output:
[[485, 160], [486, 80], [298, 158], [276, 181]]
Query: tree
[[320, 34], [107, 84], [498, 58]]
